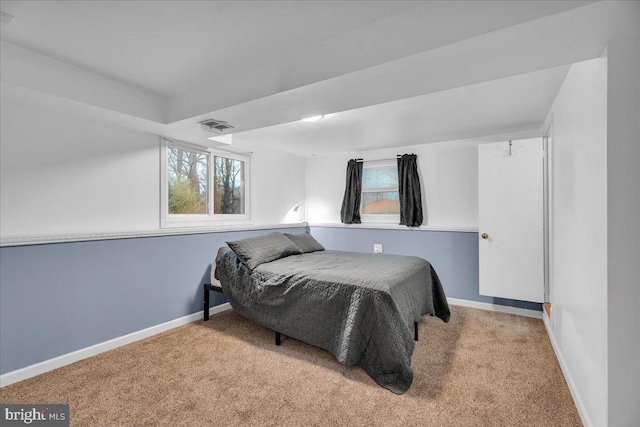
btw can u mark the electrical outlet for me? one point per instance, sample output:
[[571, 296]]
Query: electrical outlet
[[377, 248]]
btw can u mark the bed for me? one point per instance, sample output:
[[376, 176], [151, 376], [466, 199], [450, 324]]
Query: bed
[[360, 307]]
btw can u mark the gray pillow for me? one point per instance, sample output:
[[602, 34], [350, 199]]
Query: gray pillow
[[258, 250], [305, 242]]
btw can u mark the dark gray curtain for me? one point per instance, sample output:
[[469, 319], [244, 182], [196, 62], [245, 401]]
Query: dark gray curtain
[[350, 212], [409, 191]]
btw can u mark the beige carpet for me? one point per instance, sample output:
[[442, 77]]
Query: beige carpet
[[481, 369]]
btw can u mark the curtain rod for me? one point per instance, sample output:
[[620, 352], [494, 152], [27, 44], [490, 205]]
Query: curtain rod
[[378, 160]]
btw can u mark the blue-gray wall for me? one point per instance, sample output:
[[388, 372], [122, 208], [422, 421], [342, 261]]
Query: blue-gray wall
[[58, 298], [453, 254]]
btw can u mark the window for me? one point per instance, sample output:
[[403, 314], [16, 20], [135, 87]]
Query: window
[[202, 185], [380, 201]]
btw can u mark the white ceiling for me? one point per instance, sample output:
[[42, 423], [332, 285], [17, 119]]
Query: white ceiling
[[460, 113], [168, 47], [394, 72]]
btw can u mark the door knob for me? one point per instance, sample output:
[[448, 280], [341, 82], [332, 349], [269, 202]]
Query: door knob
[[485, 236]]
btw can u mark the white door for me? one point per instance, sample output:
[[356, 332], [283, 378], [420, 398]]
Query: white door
[[510, 188]]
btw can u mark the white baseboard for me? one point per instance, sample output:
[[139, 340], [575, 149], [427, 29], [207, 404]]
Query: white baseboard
[[496, 307], [567, 375], [69, 358]]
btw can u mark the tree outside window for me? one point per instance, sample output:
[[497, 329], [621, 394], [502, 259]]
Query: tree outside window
[[228, 197], [202, 185], [187, 178]]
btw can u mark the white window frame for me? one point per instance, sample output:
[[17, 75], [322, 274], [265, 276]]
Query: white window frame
[[379, 218], [209, 219]]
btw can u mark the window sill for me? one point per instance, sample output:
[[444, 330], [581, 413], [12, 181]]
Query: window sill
[[85, 237], [382, 226]]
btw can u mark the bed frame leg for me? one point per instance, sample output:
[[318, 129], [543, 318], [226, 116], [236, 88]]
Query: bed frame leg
[[415, 331], [206, 303], [277, 338]]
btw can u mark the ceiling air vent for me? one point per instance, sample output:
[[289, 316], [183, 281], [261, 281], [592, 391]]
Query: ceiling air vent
[[215, 126]]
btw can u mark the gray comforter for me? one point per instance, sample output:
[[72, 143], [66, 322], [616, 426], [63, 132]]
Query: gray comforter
[[359, 307]]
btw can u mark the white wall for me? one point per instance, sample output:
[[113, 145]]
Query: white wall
[[579, 238], [623, 182], [595, 244], [448, 176], [278, 180], [62, 173]]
